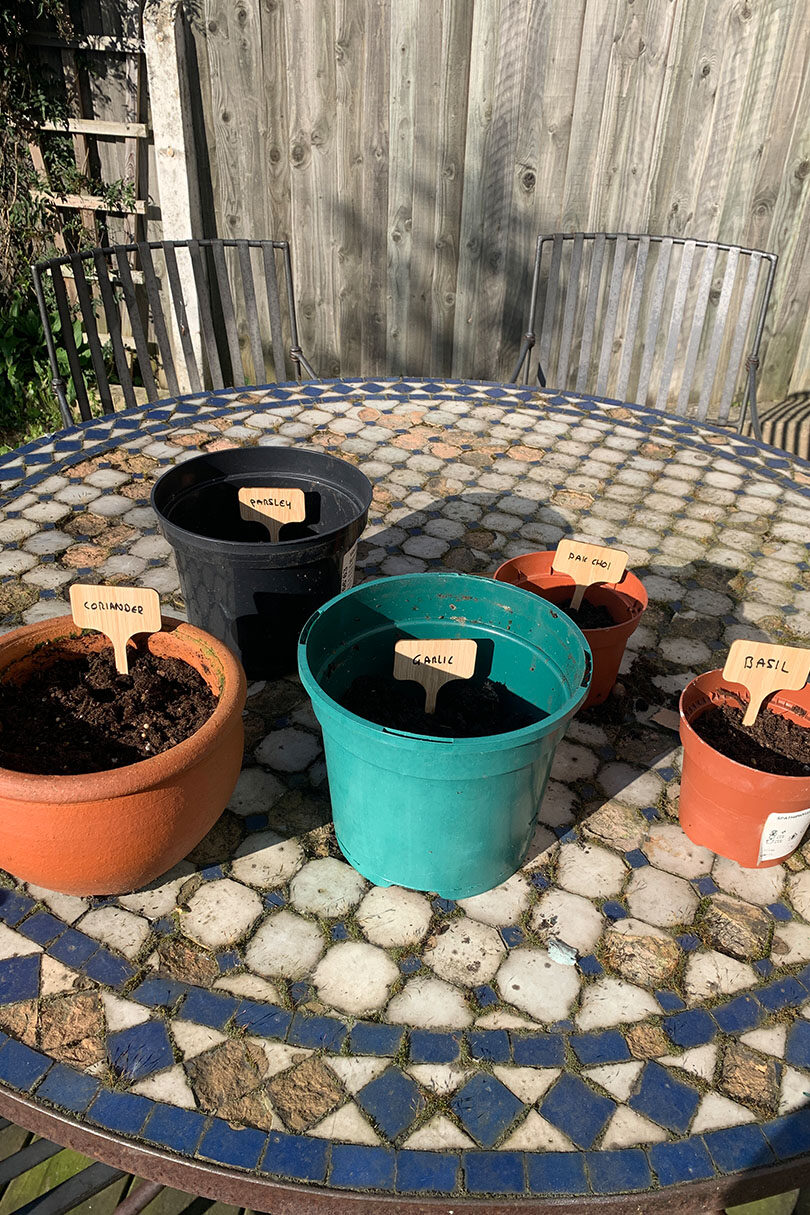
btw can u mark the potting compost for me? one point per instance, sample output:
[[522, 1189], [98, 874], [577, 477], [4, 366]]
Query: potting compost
[[588, 615], [79, 715], [772, 744], [463, 709]]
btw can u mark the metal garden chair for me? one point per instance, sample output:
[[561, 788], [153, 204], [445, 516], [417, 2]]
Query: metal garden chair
[[659, 320], [185, 314]]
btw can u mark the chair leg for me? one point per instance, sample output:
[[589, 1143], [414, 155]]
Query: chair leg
[[750, 398], [139, 1198]]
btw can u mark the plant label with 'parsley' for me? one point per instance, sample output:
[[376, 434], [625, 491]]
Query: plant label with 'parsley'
[[272, 506], [587, 564], [434, 663], [117, 611], [763, 668]]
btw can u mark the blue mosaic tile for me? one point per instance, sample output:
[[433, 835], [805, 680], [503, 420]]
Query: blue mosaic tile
[[617, 1172], [486, 1108], [175, 1128], [301, 993], [228, 961], [688, 941], [226, 1145], [392, 1100], [490, 1044], [19, 978], [764, 967], [650, 813], [13, 906], [424, 1172], [780, 912], [665, 1099], [409, 964], [557, 1173], [589, 965], [427, 1046], [790, 1134], [122, 1112], [42, 927], [577, 1110], [73, 948], [69, 1089], [262, 1020], [739, 1148], [158, 993], [636, 858], [106, 968], [318, 1033], [782, 994], [362, 1168], [539, 1050], [614, 910], [339, 932], [692, 1028], [212, 873], [297, 1156], [705, 885], [797, 1048], [804, 977], [739, 1015], [444, 906], [253, 822], [539, 881], [274, 899], [608, 1046], [494, 1172], [370, 1038], [140, 1050], [669, 1001], [688, 1160], [208, 1008], [485, 995], [512, 936]]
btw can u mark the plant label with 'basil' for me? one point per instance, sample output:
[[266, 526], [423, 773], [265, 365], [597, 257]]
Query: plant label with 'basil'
[[763, 668], [434, 663], [272, 506], [117, 611], [587, 564]]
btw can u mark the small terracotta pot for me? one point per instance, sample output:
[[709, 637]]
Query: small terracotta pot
[[114, 831], [626, 601], [725, 805]]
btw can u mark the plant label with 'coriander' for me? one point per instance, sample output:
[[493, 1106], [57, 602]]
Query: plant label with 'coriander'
[[118, 611], [272, 506], [763, 668], [434, 663], [587, 564]]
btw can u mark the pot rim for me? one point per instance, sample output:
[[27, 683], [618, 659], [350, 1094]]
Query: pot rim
[[686, 728], [630, 585], [134, 778]]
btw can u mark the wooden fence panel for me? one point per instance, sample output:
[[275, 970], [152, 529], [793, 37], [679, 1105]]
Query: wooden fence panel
[[413, 149]]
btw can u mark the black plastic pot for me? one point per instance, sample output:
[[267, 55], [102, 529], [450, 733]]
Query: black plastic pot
[[252, 594]]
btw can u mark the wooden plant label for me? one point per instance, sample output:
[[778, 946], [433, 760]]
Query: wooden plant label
[[272, 506], [763, 668], [588, 563], [434, 663], [118, 611]]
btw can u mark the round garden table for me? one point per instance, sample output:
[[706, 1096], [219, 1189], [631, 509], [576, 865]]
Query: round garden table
[[265, 1028]]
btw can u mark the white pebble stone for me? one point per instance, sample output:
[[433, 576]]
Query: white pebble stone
[[192, 1039], [619, 1079], [392, 916], [532, 982], [170, 1086], [438, 1134], [527, 1083], [265, 859], [160, 897], [426, 1003], [122, 1014], [327, 887], [590, 870], [568, 917], [715, 1112], [468, 953], [288, 750], [661, 898], [256, 791], [346, 1125], [503, 904], [761, 886], [111, 505], [613, 1002], [627, 1128], [355, 977], [220, 913], [285, 946], [67, 907], [573, 762], [118, 928], [668, 847], [714, 974], [630, 785], [249, 986]]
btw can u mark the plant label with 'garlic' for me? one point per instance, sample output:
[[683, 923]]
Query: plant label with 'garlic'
[[117, 611], [434, 663], [763, 668], [587, 564], [272, 506]]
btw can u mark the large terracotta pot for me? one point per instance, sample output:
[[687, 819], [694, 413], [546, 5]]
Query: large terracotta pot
[[114, 831], [752, 817], [626, 601]]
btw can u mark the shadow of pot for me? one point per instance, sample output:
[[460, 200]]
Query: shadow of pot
[[754, 818], [626, 601], [117, 830]]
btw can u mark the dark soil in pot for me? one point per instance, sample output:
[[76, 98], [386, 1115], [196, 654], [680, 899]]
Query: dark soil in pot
[[773, 744], [464, 709], [79, 715], [588, 615]]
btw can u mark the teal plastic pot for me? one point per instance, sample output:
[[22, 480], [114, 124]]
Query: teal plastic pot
[[456, 815]]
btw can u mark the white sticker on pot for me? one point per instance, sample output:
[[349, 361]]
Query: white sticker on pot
[[781, 834], [347, 569]]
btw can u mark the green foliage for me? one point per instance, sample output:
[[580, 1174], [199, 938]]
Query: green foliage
[[27, 405]]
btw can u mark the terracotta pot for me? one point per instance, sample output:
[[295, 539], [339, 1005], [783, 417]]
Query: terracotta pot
[[114, 831], [728, 807], [626, 601]]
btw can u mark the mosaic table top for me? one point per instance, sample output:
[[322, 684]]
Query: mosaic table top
[[626, 1014]]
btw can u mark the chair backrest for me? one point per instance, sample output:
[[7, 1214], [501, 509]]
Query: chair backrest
[[176, 315], [659, 320]]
